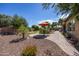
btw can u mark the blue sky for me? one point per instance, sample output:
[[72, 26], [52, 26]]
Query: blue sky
[[33, 12]]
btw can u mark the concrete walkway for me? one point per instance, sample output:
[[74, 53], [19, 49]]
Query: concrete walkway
[[61, 41]]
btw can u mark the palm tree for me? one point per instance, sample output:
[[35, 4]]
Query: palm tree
[[64, 8]]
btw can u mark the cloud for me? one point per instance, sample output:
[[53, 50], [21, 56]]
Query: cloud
[[49, 20]]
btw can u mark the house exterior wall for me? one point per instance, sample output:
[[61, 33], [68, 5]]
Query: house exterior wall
[[70, 25], [76, 32], [7, 30]]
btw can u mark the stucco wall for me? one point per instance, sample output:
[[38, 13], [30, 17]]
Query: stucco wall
[[76, 32], [7, 30]]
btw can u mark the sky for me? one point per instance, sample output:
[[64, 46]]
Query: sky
[[32, 12]]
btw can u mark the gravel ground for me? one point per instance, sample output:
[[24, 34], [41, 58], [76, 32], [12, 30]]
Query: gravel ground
[[15, 49]]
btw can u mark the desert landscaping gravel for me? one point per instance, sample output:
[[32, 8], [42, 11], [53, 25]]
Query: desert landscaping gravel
[[15, 49]]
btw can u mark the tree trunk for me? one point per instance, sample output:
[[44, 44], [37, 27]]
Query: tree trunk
[[23, 35]]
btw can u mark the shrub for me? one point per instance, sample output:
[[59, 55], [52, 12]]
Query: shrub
[[44, 31], [29, 51]]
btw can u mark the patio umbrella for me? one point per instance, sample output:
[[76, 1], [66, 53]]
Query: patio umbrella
[[44, 24]]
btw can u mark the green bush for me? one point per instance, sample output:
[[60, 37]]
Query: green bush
[[29, 51], [43, 31]]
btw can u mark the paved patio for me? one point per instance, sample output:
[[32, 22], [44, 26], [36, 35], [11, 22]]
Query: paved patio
[[62, 42]]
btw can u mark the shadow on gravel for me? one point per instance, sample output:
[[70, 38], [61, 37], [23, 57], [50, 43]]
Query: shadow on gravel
[[17, 40], [40, 36]]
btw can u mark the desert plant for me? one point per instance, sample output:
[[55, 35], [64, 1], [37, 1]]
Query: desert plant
[[29, 51], [23, 30]]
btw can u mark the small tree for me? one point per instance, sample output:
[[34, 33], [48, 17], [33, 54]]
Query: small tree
[[17, 21], [54, 25], [35, 27], [23, 30]]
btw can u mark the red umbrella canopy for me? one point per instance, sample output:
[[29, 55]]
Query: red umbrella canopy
[[44, 24]]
